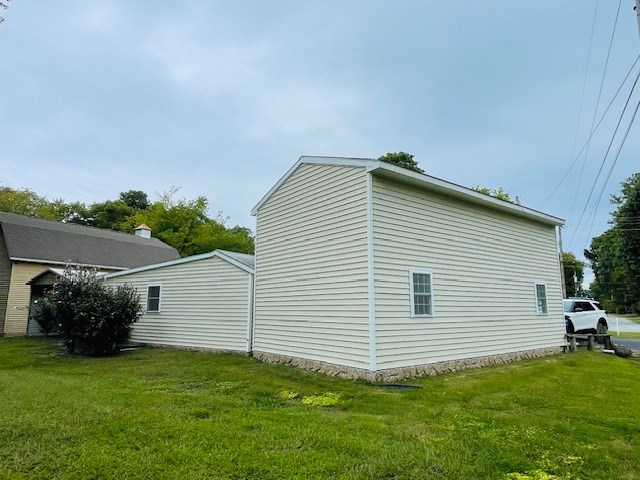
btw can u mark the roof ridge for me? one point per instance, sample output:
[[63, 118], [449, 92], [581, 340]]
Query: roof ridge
[[82, 229]]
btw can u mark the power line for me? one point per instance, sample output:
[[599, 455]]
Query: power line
[[615, 160], [595, 111], [615, 132], [584, 81], [575, 159]]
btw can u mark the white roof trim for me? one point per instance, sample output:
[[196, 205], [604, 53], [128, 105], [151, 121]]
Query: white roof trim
[[420, 180], [193, 258], [52, 262], [337, 161], [58, 272]]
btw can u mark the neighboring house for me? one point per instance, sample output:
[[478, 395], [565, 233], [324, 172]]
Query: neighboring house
[[203, 301], [40, 285], [29, 246], [365, 269]]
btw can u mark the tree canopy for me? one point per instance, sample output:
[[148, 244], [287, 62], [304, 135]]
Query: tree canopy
[[615, 255], [136, 199], [22, 202], [181, 223], [401, 159], [573, 274]]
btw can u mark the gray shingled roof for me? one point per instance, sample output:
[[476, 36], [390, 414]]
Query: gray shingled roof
[[241, 260], [245, 259], [30, 238]]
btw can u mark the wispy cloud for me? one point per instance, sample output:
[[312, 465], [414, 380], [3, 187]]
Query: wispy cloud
[[207, 66], [302, 107], [97, 17]]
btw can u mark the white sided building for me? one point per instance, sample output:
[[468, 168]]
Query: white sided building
[[203, 301], [364, 269]]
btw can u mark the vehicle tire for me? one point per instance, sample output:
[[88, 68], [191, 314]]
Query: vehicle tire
[[568, 325], [602, 328], [602, 324]]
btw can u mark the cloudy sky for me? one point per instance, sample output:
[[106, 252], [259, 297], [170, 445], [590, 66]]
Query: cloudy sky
[[220, 98]]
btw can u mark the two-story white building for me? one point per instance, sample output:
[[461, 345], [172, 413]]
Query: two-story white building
[[365, 269]]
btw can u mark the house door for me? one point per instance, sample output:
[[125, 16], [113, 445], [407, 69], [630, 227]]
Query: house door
[[37, 292]]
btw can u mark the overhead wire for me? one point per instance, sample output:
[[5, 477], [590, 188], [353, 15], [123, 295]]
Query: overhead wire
[[576, 157], [615, 160], [606, 155], [584, 79], [595, 111]]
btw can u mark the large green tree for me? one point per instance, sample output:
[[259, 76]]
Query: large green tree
[[401, 159], [615, 255], [136, 199], [111, 214], [609, 284], [573, 274], [183, 224], [21, 201], [61, 211], [626, 221]]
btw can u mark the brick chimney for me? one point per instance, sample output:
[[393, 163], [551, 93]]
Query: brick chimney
[[143, 231]]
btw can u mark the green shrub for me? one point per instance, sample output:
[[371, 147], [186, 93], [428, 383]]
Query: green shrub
[[43, 312], [92, 317]]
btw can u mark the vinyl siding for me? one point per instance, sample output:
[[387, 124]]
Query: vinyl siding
[[203, 304], [311, 267], [19, 296], [484, 266], [5, 279]]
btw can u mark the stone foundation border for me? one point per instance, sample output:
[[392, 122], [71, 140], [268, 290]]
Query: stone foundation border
[[403, 373], [190, 348]]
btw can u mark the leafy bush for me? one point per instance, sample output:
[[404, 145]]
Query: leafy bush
[[92, 317], [44, 313]]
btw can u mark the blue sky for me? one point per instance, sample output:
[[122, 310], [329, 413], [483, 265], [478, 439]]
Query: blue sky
[[221, 98]]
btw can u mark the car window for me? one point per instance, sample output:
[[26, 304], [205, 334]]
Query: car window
[[585, 306], [597, 305], [567, 305]]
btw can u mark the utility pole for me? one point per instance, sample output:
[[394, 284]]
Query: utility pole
[[637, 9], [562, 280]]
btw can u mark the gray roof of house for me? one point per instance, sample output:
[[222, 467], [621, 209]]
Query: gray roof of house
[[244, 258], [241, 260], [34, 239]]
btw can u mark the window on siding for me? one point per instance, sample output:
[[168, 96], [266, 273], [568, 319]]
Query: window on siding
[[421, 282], [541, 299], [153, 298]]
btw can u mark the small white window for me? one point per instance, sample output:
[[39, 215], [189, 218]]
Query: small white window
[[541, 298], [153, 298], [421, 284]]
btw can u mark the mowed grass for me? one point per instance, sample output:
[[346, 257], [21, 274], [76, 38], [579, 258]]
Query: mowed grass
[[169, 414], [625, 334]]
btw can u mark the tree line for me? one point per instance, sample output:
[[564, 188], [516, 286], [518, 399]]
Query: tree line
[[181, 223], [615, 255]]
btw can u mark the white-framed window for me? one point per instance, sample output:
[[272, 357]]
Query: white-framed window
[[541, 298], [421, 286], [153, 297]]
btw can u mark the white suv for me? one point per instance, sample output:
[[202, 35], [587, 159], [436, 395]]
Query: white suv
[[582, 315]]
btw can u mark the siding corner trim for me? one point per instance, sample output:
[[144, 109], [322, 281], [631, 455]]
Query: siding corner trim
[[371, 276]]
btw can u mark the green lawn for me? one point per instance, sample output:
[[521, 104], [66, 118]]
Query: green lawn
[[180, 415], [625, 334]]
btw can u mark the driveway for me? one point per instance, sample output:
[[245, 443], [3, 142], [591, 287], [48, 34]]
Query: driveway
[[620, 324], [631, 343]]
